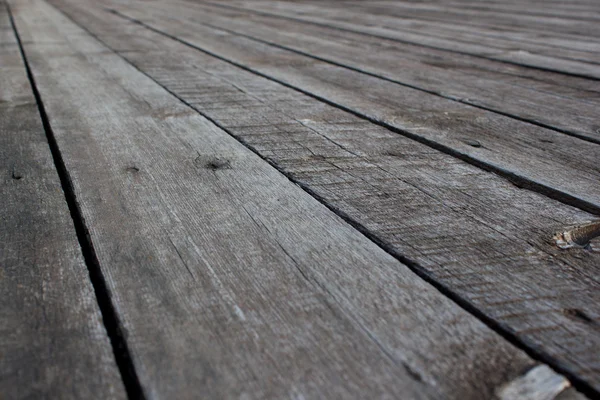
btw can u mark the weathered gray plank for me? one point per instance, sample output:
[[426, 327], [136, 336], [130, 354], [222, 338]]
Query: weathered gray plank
[[522, 76], [557, 37], [476, 234], [52, 341], [230, 280], [544, 31], [569, 10], [335, 15], [464, 78], [526, 15], [557, 78], [560, 165]]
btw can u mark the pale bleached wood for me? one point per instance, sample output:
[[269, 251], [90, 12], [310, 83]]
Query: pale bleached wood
[[563, 166], [540, 383], [52, 341], [486, 240], [230, 280], [484, 83]]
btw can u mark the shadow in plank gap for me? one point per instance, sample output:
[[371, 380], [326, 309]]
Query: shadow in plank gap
[[53, 343], [231, 279], [545, 99], [557, 165], [477, 237]]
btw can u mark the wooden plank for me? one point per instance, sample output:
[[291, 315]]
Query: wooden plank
[[568, 38], [333, 15], [566, 169], [542, 31], [52, 340], [557, 78], [530, 8], [574, 9], [463, 78], [557, 82], [230, 280], [472, 232], [560, 9]]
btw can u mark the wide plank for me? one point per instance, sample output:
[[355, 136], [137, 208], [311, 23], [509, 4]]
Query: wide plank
[[52, 340], [335, 15], [230, 280], [473, 233], [487, 84], [551, 162]]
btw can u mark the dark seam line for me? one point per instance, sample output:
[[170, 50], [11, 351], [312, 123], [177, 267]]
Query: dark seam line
[[517, 180], [110, 316], [438, 36], [493, 35], [429, 46], [504, 331], [408, 85], [313, 282]]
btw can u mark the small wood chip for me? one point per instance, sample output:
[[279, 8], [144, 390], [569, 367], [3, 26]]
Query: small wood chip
[[539, 383], [579, 236]]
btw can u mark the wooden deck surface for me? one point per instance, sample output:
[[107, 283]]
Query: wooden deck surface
[[255, 199]]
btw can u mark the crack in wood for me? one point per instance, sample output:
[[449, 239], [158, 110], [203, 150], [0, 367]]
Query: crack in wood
[[110, 316]]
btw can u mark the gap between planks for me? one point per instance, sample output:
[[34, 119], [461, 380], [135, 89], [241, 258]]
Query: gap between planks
[[53, 343], [466, 98], [520, 180], [110, 317], [344, 28], [337, 211], [213, 171]]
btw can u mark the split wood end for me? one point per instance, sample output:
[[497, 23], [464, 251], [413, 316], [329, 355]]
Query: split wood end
[[579, 236], [539, 383]]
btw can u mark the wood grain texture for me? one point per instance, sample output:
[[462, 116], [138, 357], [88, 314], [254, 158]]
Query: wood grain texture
[[557, 78], [476, 234], [52, 340], [555, 28], [560, 59], [546, 98], [570, 12], [554, 35], [556, 164], [230, 280]]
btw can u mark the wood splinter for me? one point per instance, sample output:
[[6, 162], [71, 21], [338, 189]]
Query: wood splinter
[[579, 236], [539, 383]]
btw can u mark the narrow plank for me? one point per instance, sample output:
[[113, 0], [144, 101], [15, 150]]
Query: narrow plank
[[566, 168], [474, 233], [467, 79], [333, 15], [52, 341], [230, 280]]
